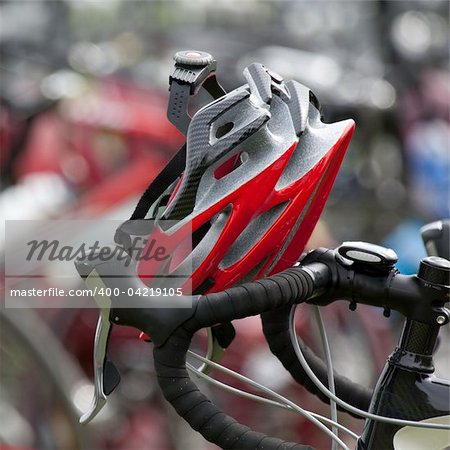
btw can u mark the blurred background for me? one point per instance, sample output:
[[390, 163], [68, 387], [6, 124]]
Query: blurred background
[[83, 129]]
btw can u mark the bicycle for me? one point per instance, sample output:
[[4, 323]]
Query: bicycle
[[407, 395]]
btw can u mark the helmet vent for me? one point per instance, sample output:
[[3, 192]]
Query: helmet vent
[[252, 234], [181, 253], [252, 274], [224, 129], [228, 166]]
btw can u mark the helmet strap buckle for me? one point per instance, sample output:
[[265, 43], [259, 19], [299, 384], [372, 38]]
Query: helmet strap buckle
[[193, 70]]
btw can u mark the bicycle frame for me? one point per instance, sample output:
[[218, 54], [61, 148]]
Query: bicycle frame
[[408, 389]]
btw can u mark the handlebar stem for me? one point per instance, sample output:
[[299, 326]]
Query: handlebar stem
[[413, 297]]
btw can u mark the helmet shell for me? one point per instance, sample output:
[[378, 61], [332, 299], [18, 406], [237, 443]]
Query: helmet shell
[[260, 164]]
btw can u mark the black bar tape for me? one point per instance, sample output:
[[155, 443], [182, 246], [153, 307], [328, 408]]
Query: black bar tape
[[276, 330], [201, 414], [249, 299], [253, 298]]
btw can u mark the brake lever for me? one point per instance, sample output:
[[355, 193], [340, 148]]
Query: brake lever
[[101, 343], [106, 375], [137, 311]]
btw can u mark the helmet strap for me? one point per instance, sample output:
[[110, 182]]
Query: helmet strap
[[193, 70]]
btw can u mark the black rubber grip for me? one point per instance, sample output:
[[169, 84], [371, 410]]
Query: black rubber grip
[[292, 286], [276, 330]]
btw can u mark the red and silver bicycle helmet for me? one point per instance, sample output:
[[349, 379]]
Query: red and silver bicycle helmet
[[257, 168]]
